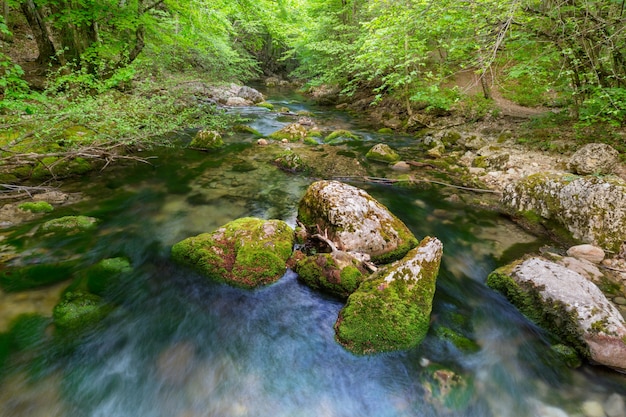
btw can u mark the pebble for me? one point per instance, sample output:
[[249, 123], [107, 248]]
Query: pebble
[[592, 409], [589, 252], [262, 142], [620, 301], [614, 406]]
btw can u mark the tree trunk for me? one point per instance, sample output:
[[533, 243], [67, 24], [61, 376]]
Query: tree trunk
[[4, 9], [34, 17]]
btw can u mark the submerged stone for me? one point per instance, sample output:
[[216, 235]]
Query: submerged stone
[[246, 252], [291, 162], [341, 136], [355, 221], [292, 133], [78, 311], [69, 224], [391, 310], [25, 277], [566, 304]]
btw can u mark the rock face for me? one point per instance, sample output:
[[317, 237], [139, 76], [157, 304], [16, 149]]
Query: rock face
[[592, 209], [383, 153], [355, 221], [246, 252], [391, 310], [594, 158], [568, 305]]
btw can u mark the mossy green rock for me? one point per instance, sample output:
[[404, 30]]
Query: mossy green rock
[[207, 140], [37, 207], [69, 224], [79, 311], [246, 252], [20, 278], [391, 310], [383, 153], [355, 221], [338, 273], [106, 273], [293, 133], [291, 162], [566, 304], [341, 136], [591, 209]]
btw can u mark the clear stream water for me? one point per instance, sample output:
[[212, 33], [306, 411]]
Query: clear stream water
[[178, 345]]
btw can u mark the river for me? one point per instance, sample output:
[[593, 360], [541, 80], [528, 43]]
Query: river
[[177, 345]]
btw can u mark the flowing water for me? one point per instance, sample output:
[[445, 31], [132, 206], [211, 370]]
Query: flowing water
[[177, 345]]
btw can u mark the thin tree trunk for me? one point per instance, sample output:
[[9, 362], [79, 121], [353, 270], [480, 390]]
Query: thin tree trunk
[[4, 9], [34, 17]]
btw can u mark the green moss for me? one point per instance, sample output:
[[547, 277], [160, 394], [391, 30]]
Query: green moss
[[246, 252], [480, 162], [53, 166], [293, 133], [385, 131], [246, 129], [69, 224], [461, 342], [106, 273], [382, 153], [567, 355], [79, 311], [321, 272], [20, 278], [341, 136], [27, 330], [36, 207], [291, 161], [265, 105]]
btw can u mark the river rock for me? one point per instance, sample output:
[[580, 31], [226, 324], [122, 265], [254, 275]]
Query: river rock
[[565, 303], [594, 158], [207, 140], [354, 221], [592, 209], [589, 252], [293, 133], [337, 273], [237, 102], [246, 252], [383, 153], [391, 310], [250, 94], [614, 406]]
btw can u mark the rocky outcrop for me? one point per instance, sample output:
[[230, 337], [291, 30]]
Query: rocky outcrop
[[594, 158], [233, 95], [354, 221], [591, 209], [391, 310], [566, 304], [246, 252]]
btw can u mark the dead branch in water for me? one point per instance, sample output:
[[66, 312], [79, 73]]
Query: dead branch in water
[[411, 179]]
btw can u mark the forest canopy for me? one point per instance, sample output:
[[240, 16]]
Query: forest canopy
[[561, 53]]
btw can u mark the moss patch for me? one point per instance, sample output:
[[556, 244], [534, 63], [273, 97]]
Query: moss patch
[[79, 311], [20, 278], [69, 224], [36, 207], [247, 252], [321, 272], [207, 140], [341, 136]]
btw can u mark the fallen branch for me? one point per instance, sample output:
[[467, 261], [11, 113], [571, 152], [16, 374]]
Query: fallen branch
[[390, 181], [17, 189]]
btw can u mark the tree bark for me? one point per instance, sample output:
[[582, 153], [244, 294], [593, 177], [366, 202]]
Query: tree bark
[[34, 17]]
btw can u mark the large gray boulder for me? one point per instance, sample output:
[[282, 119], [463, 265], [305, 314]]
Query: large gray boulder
[[594, 158], [592, 209], [566, 304], [354, 221], [391, 310]]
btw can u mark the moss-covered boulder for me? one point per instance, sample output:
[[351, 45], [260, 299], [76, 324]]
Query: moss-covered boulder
[[447, 389], [354, 221], [69, 224], [591, 209], [246, 252], [336, 273], [341, 136], [106, 274], [79, 311], [291, 162], [569, 306], [391, 310], [207, 140], [292, 133], [36, 207], [382, 152], [594, 158]]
